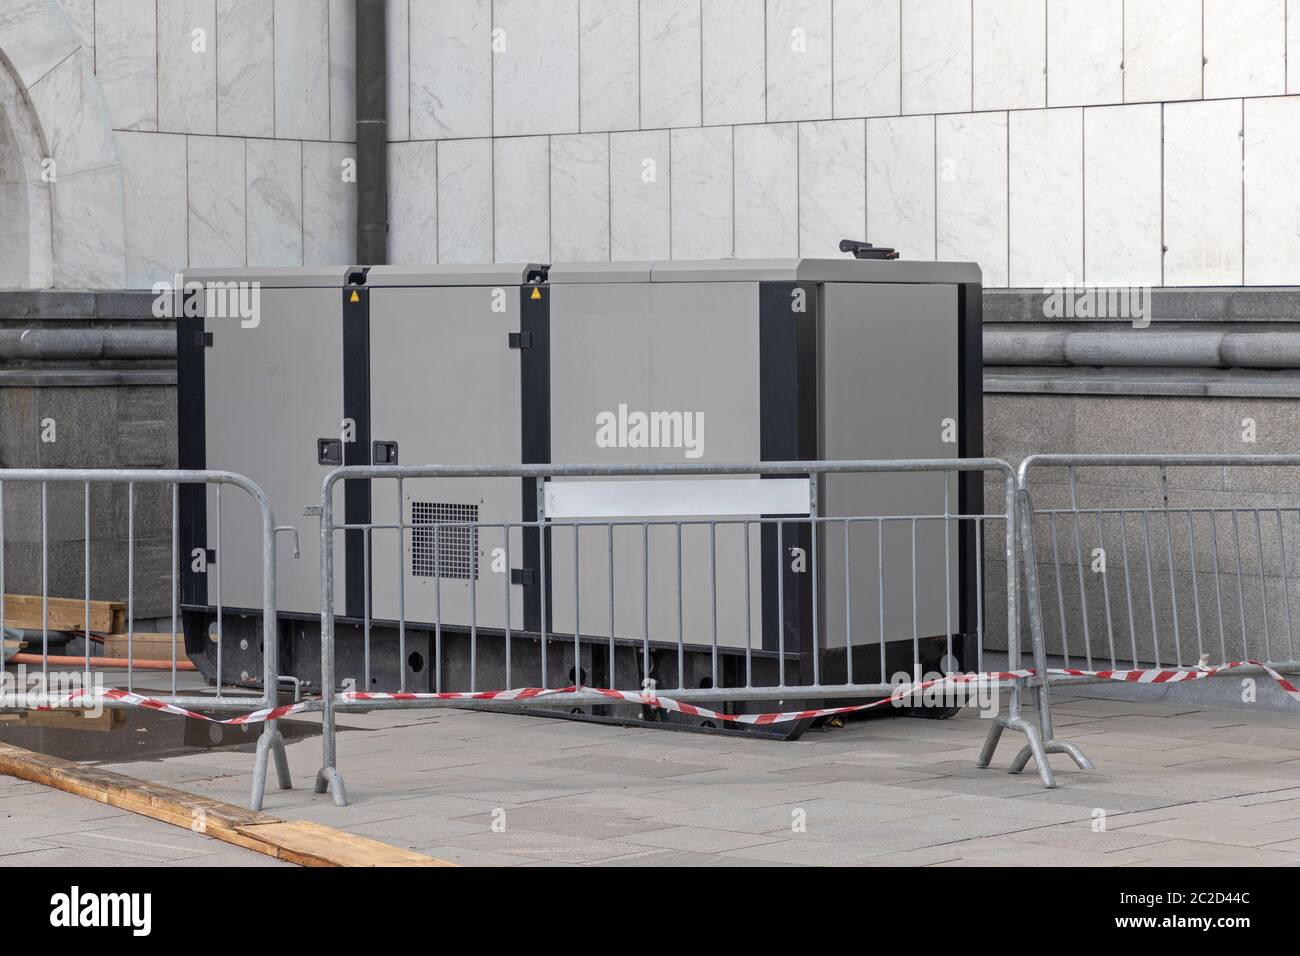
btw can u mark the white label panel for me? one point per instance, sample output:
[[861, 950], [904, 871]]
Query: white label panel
[[677, 497]]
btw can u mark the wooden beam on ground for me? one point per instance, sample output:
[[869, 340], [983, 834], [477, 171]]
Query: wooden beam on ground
[[65, 614], [145, 647], [73, 718], [306, 844], [310, 844]]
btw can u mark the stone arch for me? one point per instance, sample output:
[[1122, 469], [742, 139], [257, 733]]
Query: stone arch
[[26, 227], [62, 217]]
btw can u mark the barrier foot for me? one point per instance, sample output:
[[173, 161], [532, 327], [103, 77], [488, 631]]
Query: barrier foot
[[1033, 748], [271, 743], [991, 743], [329, 778], [1070, 750], [1054, 747], [259, 771], [281, 758]]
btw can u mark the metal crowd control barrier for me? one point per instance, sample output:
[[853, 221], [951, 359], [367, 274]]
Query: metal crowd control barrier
[[888, 578], [1170, 573], [35, 504]]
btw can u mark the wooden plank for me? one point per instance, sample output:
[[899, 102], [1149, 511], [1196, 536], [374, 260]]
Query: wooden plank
[[145, 647], [65, 614], [300, 842], [74, 718], [310, 844], [115, 789]]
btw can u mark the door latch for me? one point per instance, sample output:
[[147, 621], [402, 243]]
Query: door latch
[[383, 453], [329, 451]]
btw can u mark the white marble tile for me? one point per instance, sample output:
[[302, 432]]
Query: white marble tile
[[245, 68], [343, 70], [33, 40], [1245, 47], [522, 201], [89, 231], [413, 203], [670, 63], [82, 15], [465, 200], [154, 189], [302, 64], [399, 69], [868, 65], [971, 192], [535, 67], [187, 66], [734, 58], [936, 56], [451, 69], [126, 61], [1293, 46], [1202, 194], [275, 197], [1162, 50], [1010, 70], [329, 205], [580, 197], [609, 84], [639, 180], [1085, 52], [1045, 149], [702, 193], [26, 254], [1272, 191], [218, 219], [799, 54], [1121, 208], [832, 185], [766, 170], [64, 99], [900, 184]]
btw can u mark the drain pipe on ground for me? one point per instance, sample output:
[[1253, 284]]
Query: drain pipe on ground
[[372, 133]]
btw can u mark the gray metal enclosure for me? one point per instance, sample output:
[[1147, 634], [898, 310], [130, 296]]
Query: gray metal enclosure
[[709, 340], [605, 363]]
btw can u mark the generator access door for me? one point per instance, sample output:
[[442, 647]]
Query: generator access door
[[272, 388], [685, 354], [445, 390], [888, 372]]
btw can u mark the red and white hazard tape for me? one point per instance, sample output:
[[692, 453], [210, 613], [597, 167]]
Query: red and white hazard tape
[[651, 699], [1174, 677], [150, 703]]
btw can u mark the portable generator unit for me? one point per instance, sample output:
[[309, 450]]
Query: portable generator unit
[[723, 361]]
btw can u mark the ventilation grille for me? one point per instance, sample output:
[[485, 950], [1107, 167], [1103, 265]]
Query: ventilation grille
[[455, 552]]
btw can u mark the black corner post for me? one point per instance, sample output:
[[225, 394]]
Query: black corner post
[[970, 444], [372, 133]]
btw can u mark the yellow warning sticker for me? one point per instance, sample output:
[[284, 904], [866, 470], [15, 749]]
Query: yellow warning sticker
[[356, 297], [537, 294]]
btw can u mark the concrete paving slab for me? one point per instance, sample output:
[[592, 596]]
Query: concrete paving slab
[[695, 839], [583, 822], [1177, 784], [1198, 853]]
